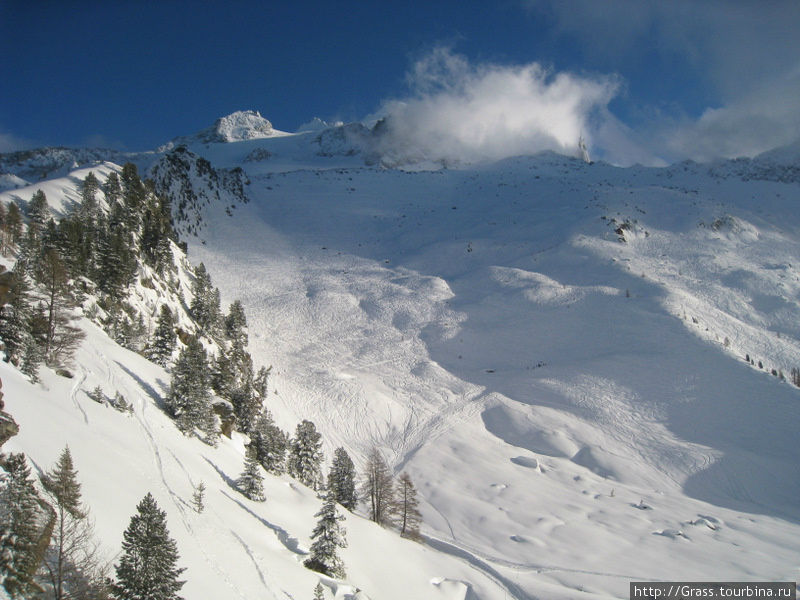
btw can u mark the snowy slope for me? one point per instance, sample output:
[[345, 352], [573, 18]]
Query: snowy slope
[[490, 329], [553, 350]]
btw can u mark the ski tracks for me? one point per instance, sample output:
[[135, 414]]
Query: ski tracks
[[73, 394]]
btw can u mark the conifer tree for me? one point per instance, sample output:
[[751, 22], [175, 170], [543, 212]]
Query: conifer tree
[[72, 563], [408, 516], [162, 345], [19, 527], [305, 455], [260, 383], [156, 233], [236, 324], [250, 482], [341, 480], [319, 593], [38, 210], [199, 496], [378, 488], [133, 196], [12, 228], [15, 316], [148, 568], [32, 359], [89, 188], [270, 443], [116, 264], [112, 189], [189, 399], [204, 311], [61, 337], [222, 377], [328, 536]]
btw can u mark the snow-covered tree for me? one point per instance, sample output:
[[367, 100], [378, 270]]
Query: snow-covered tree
[[341, 480], [38, 210], [162, 344], [205, 305], [236, 324], [89, 188], [72, 563], [408, 516], [319, 593], [15, 316], [328, 536], [148, 568], [19, 527], [189, 398], [250, 482], [305, 455], [199, 496], [270, 443], [378, 488]]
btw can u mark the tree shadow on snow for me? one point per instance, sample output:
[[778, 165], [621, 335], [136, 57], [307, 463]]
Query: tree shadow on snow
[[289, 542]]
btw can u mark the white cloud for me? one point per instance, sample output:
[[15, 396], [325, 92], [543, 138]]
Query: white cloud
[[759, 121], [461, 111], [742, 54]]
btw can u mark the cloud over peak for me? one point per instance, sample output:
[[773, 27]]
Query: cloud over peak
[[461, 111]]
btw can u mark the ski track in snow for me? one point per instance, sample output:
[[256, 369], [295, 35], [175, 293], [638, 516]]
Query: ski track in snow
[[515, 591], [74, 395], [254, 560]]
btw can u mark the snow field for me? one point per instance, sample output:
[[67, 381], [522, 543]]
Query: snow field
[[564, 400]]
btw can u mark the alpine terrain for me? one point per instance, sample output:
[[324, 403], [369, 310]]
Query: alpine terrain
[[327, 365]]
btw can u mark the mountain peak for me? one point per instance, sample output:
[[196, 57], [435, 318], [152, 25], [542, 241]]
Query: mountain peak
[[238, 126]]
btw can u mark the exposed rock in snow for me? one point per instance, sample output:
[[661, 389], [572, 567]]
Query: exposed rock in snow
[[238, 126]]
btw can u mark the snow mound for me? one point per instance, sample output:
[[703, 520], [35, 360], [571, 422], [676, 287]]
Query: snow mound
[[452, 590], [11, 182]]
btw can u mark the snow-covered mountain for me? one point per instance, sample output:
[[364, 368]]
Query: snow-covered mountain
[[554, 350]]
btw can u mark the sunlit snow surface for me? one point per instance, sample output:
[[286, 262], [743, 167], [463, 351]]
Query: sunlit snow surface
[[573, 403]]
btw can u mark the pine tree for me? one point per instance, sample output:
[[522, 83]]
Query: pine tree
[[72, 562], [112, 189], [203, 308], [61, 337], [189, 399], [38, 210], [133, 196], [148, 567], [409, 518], [341, 480], [31, 359], [250, 483], [116, 261], [236, 324], [305, 455], [270, 443], [15, 317], [378, 488], [199, 496], [12, 228], [89, 188], [162, 345], [19, 527], [319, 593], [328, 537], [156, 233]]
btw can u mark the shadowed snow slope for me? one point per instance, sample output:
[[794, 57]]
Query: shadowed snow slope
[[554, 351]]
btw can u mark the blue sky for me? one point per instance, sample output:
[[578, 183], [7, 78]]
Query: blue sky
[[648, 80]]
